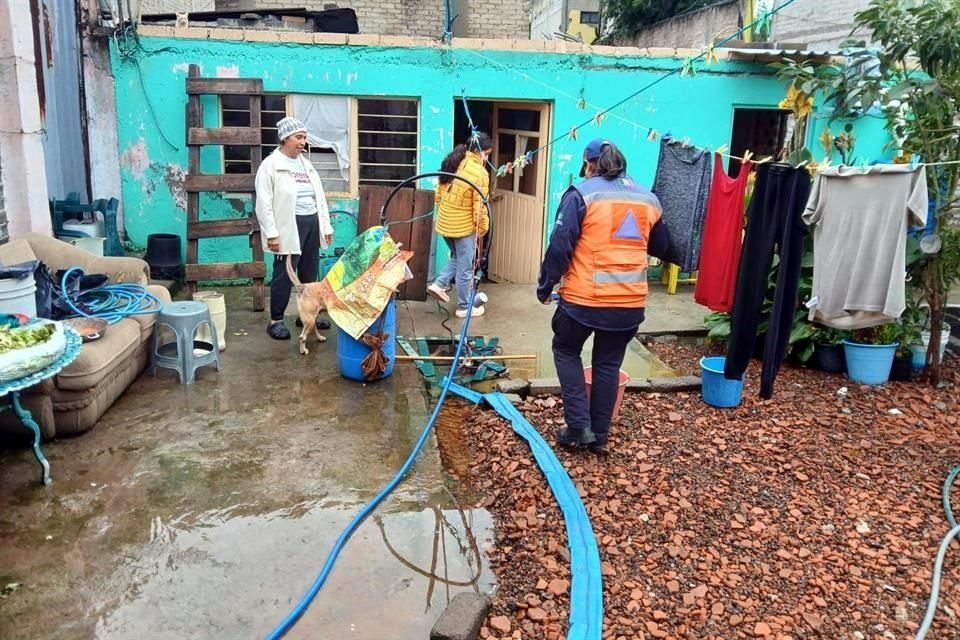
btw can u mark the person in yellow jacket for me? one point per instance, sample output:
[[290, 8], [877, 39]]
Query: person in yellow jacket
[[462, 219]]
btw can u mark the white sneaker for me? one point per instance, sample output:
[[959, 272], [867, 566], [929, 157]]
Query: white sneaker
[[438, 293], [475, 312]]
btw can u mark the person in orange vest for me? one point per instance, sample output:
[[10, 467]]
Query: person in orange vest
[[606, 228]]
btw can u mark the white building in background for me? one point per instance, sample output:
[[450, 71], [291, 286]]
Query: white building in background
[[577, 18]]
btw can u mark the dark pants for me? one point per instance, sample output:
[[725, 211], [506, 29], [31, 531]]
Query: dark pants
[[307, 265], [609, 348], [774, 226]]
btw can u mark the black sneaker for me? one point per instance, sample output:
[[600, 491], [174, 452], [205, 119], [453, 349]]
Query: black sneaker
[[278, 331], [599, 448], [322, 324], [570, 437]]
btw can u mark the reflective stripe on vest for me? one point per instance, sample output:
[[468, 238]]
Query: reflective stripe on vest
[[619, 277]]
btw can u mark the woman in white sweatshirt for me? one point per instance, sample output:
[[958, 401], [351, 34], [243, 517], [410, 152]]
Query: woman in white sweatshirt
[[294, 218]]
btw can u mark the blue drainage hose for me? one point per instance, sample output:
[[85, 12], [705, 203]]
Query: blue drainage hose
[[586, 585], [301, 608], [111, 302]]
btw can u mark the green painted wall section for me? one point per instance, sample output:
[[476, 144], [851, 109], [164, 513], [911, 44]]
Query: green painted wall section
[[152, 122]]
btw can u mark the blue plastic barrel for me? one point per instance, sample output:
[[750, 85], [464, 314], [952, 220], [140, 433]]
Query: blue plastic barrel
[[350, 352], [869, 363], [717, 391]]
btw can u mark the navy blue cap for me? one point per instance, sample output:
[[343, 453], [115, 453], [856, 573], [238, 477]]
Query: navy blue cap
[[592, 152]]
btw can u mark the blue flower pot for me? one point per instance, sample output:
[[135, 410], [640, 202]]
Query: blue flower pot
[[869, 363]]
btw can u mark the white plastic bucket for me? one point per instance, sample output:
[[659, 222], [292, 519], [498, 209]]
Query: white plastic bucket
[[944, 339], [218, 313], [19, 296]]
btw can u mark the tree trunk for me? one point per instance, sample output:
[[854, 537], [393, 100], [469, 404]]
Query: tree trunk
[[936, 298]]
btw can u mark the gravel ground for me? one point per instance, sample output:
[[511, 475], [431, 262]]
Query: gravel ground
[[815, 514]]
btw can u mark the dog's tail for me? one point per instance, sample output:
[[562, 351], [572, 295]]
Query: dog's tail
[[293, 275]]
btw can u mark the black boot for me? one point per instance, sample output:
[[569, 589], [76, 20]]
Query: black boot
[[571, 437], [278, 331]]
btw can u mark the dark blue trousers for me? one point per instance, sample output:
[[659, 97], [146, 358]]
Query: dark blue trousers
[[609, 348]]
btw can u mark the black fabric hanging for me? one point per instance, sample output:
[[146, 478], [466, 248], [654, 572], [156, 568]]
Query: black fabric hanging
[[774, 226]]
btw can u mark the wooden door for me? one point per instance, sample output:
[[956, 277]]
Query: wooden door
[[519, 198], [416, 236]]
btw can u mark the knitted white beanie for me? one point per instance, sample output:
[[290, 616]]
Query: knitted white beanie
[[289, 126]]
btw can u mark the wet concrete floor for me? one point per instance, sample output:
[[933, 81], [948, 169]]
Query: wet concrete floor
[[523, 326], [205, 511]]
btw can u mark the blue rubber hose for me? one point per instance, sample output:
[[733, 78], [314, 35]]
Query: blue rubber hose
[[111, 302], [301, 608], [364, 513], [941, 554]]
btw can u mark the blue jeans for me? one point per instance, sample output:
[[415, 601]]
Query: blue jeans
[[463, 252], [609, 348]]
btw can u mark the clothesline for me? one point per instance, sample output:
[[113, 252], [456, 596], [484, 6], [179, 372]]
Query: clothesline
[[686, 68]]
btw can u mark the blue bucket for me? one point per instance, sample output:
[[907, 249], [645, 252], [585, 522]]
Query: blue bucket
[[717, 391], [869, 363], [350, 352]]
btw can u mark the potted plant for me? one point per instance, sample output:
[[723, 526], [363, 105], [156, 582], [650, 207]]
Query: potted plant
[[828, 349], [908, 336], [869, 354]]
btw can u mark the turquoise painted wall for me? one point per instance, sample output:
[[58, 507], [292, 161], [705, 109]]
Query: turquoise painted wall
[[152, 123]]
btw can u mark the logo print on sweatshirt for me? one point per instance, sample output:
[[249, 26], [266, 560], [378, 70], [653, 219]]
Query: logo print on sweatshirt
[[629, 228]]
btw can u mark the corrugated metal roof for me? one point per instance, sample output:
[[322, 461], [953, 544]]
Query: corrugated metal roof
[[773, 55]]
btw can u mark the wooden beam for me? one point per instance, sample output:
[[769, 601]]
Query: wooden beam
[[194, 119], [220, 228], [473, 359], [225, 271], [224, 86], [224, 135], [233, 182]]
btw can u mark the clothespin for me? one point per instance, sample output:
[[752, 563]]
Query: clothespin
[[765, 160], [528, 157], [686, 143], [722, 149], [747, 155], [599, 118], [914, 161], [712, 56], [863, 165], [521, 162], [573, 133], [687, 69], [581, 104], [652, 135], [501, 171], [509, 168]]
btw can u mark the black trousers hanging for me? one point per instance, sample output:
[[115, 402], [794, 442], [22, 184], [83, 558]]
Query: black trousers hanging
[[774, 225]]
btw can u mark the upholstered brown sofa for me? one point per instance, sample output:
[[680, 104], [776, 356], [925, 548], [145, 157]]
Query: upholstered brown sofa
[[74, 400]]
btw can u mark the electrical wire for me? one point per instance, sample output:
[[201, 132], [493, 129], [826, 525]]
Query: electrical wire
[[291, 619], [111, 302]]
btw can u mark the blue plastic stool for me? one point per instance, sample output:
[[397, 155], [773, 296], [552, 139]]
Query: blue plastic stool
[[184, 318]]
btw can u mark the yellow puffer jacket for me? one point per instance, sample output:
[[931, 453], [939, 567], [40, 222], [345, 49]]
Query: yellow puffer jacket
[[460, 209]]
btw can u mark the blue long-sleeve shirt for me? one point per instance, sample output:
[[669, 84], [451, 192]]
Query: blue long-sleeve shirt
[[556, 261]]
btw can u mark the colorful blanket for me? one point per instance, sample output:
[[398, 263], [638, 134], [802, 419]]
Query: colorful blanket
[[359, 286]]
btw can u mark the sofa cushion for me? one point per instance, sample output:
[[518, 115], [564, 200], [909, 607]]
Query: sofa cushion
[[16, 252], [97, 359]]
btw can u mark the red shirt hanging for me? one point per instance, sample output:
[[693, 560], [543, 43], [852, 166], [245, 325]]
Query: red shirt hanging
[[722, 237]]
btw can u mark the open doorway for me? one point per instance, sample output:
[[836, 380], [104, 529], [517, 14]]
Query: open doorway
[[519, 198], [762, 131]]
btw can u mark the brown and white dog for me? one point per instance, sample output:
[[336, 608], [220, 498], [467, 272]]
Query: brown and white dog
[[309, 306]]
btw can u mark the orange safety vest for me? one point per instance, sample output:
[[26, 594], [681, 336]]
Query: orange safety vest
[[609, 264]]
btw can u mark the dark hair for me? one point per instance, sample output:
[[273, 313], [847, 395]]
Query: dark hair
[[452, 162], [611, 163]]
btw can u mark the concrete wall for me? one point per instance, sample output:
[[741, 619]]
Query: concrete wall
[[695, 29], [477, 18], [699, 107], [547, 16], [21, 126], [147, 7], [821, 25]]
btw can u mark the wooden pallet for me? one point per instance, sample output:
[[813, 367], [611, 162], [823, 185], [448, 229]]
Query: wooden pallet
[[197, 183]]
